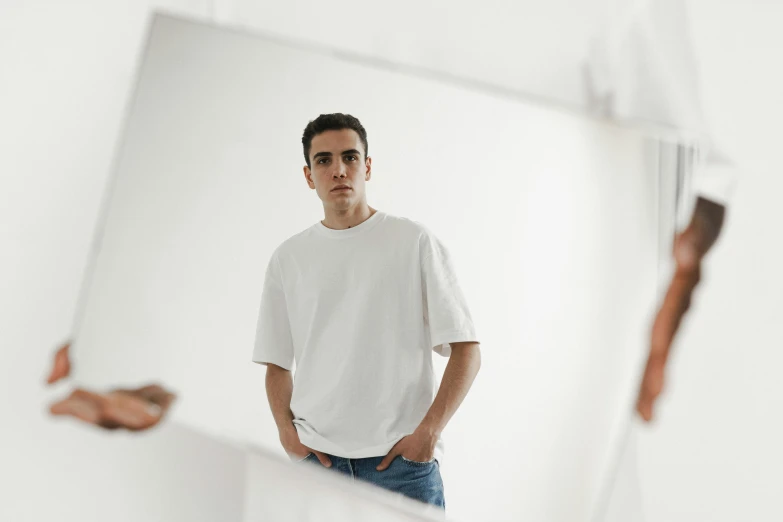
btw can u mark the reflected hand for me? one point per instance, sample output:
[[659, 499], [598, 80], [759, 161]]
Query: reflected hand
[[62, 364], [289, 438], [135, 410], [418, 447], [690, 247], [675, 304]]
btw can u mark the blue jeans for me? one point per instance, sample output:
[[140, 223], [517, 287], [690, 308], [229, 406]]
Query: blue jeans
[[417, 480]]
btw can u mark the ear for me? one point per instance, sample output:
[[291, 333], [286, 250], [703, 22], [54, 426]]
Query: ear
[[309, 177], [368, 166]]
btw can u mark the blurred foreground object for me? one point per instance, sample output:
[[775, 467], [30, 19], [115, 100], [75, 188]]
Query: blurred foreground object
[[62, 364], [690, 247], [642, 66], [132, 409]]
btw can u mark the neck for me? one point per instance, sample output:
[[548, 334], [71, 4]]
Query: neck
[[347, 218]]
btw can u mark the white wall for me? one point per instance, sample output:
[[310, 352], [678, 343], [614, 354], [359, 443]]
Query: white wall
[[208, 168], [526, 46], [57, 147], [714, 453]]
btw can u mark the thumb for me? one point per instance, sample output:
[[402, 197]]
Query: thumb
[[387, 460], [62, 364], [323, 458], [652, 385], [644, 406]]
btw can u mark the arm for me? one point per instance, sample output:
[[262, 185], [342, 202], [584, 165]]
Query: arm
[[461, 370], [279, 389], [690, 247]]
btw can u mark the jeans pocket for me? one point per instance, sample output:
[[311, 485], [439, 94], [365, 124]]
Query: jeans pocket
[[416, 462]]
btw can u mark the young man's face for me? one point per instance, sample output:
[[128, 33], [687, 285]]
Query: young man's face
[[339, 169]]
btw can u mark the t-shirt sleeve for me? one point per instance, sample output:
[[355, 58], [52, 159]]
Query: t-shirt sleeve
[[273, 333], [446, 311], [715, 176]]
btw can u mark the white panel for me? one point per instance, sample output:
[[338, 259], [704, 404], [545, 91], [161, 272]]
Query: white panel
[[71, 473], [628, 58], [551, 219], [300, 492], [535, 48], [66, 69]]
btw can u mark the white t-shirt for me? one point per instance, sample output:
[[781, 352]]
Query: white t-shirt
[[360, 311]]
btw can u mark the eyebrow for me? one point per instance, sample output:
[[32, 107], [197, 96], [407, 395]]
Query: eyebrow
[[329, 154]]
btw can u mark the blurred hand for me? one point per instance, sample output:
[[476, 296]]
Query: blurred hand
[[690, 247], [667, 321], [62, 364], [418, 447], [289, 438], [134, 410]]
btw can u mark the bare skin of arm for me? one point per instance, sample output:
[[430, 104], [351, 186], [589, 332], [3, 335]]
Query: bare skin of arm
[[279, 389], [690, 247], [131, 409], [461, 370]]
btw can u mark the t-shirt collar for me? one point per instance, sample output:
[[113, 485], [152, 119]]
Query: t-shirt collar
[[361, 228]]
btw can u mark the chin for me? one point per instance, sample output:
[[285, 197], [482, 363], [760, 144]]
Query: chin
[[342, 204], [342, 199]]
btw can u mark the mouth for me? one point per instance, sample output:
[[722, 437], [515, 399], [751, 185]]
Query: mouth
[[341, 188]]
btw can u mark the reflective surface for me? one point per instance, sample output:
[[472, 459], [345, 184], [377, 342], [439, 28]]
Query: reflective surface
[[552, 221]]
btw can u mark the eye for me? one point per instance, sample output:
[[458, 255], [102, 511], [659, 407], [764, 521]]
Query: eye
[[321, 161], [351, 157]]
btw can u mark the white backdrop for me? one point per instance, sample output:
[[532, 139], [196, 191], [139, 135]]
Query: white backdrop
[[67, 68], [209, 182]]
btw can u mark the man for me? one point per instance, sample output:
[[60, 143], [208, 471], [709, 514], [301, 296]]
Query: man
[[359, 301]]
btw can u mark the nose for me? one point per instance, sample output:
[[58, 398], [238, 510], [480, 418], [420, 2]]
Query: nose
[[339, 171]]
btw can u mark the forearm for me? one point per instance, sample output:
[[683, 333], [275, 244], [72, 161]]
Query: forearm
[[690, 247], [461, 370], [279, 389]]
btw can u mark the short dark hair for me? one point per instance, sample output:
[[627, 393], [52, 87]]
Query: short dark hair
[[327, 122]]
